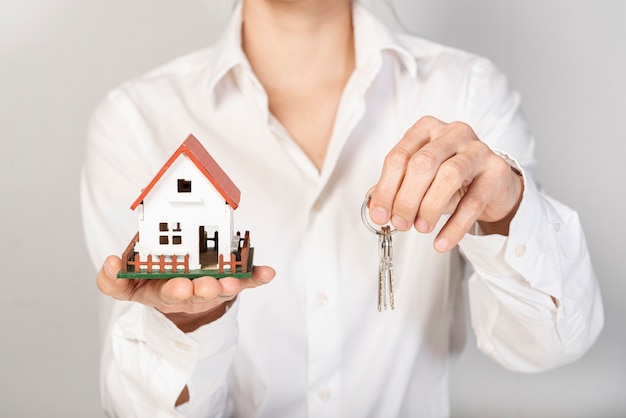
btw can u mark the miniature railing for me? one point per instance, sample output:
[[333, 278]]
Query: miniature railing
[[131, 258], [244, 253], [129, 252], [161, 263]]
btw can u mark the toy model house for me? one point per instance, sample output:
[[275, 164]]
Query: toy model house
[[186, 221]]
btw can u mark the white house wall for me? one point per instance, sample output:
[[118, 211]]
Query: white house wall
[[203, 206]]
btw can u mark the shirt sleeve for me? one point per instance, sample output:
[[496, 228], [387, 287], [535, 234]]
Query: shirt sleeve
[[516, 278], [534, 298], [146, 360], [150, 361]]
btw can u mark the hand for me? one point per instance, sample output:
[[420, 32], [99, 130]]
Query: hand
[[443, 168], [188, 303]]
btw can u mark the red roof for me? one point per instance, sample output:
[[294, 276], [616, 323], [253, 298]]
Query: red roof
[[194, 150]]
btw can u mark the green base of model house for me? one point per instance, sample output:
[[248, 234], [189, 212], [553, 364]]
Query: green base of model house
[[193, 274]]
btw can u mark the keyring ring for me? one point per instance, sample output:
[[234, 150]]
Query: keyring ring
[[366, 219]]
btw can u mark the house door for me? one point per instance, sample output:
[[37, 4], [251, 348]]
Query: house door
[[209, 245], [209, 238]]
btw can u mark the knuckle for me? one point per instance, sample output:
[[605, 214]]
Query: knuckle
[[461, 227], [462, 129], [496, 168], [429, 121], [478, 150], [453, 170], [502, 168], [403, 206], [473, 203], [397, 157], [430, 207], [424, 160]]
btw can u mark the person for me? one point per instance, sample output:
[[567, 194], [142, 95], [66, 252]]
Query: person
[[310, 106]]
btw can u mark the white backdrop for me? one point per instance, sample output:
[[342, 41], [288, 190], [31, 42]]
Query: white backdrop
[[57, 59]]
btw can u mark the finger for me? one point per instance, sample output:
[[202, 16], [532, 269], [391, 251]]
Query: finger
[[395, 165], [469, 208], [208, 288], [388, 185], [107, 280], [179, 295], [422, 171], [172, 291], [261, 275], [147, 292], [452, 178]]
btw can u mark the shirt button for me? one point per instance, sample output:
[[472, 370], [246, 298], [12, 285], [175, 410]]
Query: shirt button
[[520, 250], [322, 299], [317, 206], [556, 226], [324, 394]]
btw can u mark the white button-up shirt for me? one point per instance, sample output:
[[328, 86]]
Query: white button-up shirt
[[312, 343]]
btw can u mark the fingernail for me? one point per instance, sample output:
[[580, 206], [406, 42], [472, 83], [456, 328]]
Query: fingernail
[[442, 244], [399, 223], [421, 225], [379, 215]]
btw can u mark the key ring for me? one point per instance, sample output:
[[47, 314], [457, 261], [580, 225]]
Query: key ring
[[366, 219]]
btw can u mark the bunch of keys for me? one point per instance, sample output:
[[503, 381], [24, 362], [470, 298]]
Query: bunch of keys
[[385, 251]]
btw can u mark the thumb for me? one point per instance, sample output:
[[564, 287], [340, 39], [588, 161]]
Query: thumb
[[260, 275], [107, 280]]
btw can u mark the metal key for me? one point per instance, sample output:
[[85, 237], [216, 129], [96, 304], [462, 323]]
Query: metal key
[[385, 266], [385, 269]]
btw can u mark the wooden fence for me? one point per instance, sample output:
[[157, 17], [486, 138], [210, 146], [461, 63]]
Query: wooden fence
[[131, 258]]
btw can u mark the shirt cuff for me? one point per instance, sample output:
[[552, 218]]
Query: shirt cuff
[[211, 338], [217, 343], [154, 358], [526, 251], [147, 345]]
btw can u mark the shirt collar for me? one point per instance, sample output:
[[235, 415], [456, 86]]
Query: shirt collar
[[228, 53], [372, 38]]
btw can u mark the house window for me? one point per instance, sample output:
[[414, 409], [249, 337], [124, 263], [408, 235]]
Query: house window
[[184, 186], [165, 234]]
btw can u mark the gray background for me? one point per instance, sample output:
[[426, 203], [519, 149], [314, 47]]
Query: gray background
[[567, 57]]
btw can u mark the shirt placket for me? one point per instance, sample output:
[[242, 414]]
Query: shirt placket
[[322, 273], [323, 314]]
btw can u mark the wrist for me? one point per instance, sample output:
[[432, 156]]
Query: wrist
[[501, 226], [189, 322]]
